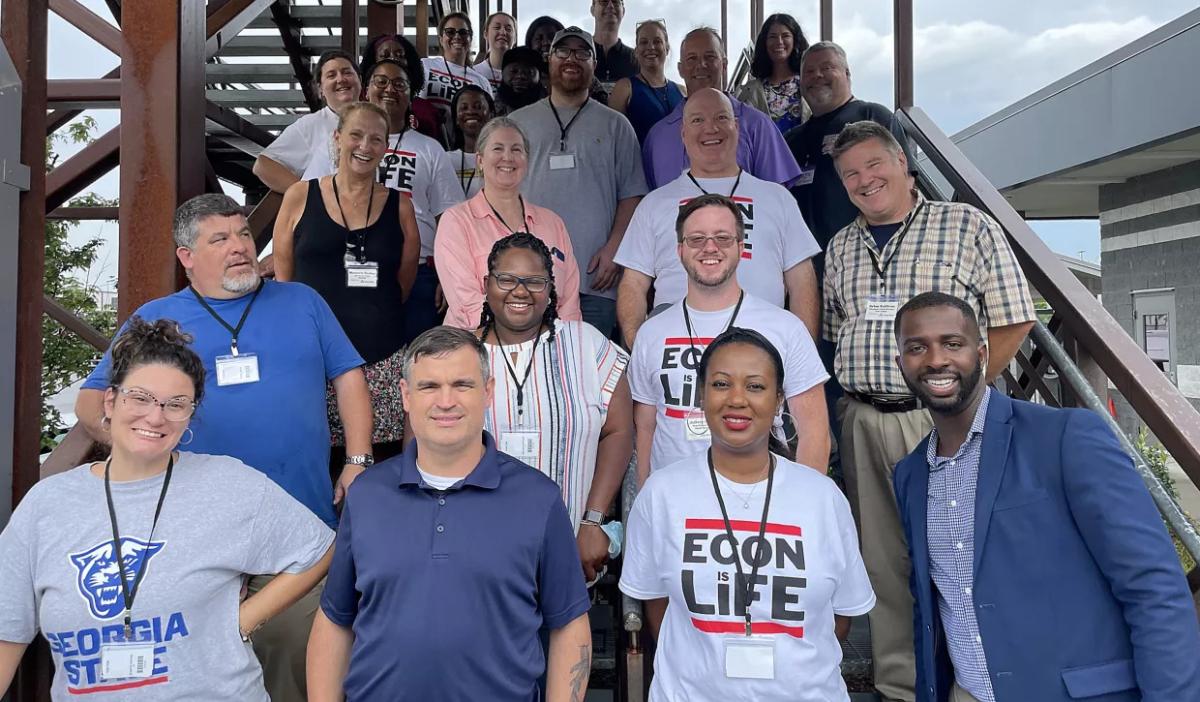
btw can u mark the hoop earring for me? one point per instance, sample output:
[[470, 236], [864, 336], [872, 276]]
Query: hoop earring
[[190, 435], [106, 423]]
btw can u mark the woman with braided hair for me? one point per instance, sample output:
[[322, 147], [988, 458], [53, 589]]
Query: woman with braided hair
[[561, 402]]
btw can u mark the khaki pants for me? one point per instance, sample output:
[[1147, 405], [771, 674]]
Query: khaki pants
[[957, 694], [873, 442], [281, 644]]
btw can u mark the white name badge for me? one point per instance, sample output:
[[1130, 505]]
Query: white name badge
[[805, 177], [750, 657], [521, 445], [362, 275], [695, 426], [882, 308], [237, 370], [562, 161], [126, 660]]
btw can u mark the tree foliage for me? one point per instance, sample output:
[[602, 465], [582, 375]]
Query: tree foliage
[[65, 357]]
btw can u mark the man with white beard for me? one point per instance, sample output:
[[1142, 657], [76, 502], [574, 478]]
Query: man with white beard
[[268, 349]]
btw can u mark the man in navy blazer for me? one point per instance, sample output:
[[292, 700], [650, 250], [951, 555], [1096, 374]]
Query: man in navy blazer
[[1041, 569]]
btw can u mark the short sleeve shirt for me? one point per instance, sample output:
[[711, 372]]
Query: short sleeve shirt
[[776, 236], [606, 170], [306, 141], [443, 80], [676, 547], [279, 424], [943, 246], [666, 355], [219, 519], [614, 64], [470, 178]]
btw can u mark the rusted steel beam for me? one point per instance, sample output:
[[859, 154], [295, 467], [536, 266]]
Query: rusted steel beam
[[1157, 401], [725, 24], [826, 20], [903, 31], [82, 169], [228, 20], [114, 6], [74, 324], [59, 117], [196, 32], [237, 124], [87, 93], [350, 27], [89, 23], [289, 33], [422, 22], [381, 19], [84, 213]]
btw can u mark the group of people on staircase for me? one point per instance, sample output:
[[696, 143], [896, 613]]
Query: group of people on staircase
[[383, 463]]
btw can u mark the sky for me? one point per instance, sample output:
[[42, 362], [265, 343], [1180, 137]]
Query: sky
[[971, 59]]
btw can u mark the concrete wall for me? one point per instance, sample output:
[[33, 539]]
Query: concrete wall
[[1150, 240]]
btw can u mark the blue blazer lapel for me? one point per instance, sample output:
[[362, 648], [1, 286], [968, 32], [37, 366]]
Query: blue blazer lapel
[[997, 431], [918, 505]]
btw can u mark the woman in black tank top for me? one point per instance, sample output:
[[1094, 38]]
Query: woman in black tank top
[[356, 243]]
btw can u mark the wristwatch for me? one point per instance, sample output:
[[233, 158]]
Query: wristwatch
[[361, 459], [593, 516]]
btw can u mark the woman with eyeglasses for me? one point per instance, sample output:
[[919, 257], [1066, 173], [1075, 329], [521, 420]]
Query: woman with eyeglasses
[[449, 73], [471, 109], [775, 87], [649, 96], [561, 403], [307, 143], [132, 567], [748, 563], [356, 242], [468, 230], [423, 115]]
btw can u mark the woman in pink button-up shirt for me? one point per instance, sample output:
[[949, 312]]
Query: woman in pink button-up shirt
[[467, 231]]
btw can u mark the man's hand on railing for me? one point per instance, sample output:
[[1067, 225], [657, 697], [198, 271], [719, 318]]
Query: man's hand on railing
[[266, 267]]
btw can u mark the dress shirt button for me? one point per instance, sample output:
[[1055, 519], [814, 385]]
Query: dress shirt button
[[441, 500], [958, 545], [953, 503], [440, 528], [978, 639], [953, 462], [967, 590]]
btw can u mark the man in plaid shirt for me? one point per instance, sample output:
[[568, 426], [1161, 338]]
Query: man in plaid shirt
[[899, 246]]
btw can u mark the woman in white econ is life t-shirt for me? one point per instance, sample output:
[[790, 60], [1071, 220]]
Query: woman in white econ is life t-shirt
[[740, 524]]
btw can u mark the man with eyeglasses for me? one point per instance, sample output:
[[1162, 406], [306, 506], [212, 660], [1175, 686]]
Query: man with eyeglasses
[[449, 73], [614, 60], [583, 165], [670, 426], [761, 151], [268, 349], [778, 249]]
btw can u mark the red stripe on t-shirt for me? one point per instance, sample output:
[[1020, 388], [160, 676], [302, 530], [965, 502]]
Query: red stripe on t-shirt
[[742, 525], [739, 627], [747, 254], [118, 686], [677, 413], [684, 341]]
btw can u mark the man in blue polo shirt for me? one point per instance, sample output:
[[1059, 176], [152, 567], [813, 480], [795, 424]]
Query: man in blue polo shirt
[[450, 558]]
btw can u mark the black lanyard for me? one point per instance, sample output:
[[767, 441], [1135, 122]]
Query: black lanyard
[[687, 319], [389, 159], [446, 63], [359, 234], [877, 261], [462, 166], [762, 530], [664, 97], [235, 331], [512, 372], [736, 182], [562, 131], [501, 218], [129, 592]]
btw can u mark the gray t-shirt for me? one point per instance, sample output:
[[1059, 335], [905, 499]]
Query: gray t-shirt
[[607, 168], [220, 519]]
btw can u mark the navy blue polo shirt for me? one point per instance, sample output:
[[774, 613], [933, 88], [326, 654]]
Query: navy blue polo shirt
[[446, 590]]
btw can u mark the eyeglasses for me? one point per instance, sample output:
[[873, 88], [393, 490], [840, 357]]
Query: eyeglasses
[[383, 82], [141, 403], [699, 241], [452, 32], [533, 283], [565, 53]]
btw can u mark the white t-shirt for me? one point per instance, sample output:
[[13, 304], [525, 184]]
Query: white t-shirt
[[418, 166], [663, 367], [220, 519], [470, 178], [438, 482], [307, 141], [443, 80], [676, 547], [776, 236], [493, 74]]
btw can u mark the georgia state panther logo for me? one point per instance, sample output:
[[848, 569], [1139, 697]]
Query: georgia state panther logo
[[99, 573]]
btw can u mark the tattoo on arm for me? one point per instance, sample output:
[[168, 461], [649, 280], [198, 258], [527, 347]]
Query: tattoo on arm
[[579, 674]]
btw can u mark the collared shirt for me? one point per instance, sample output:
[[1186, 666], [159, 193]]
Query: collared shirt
[[446, 589], [614, 64], [950, 525], [761, 151], [949, 247], [464, 241]]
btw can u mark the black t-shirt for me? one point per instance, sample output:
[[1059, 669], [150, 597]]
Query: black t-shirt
[[614, 64], [824, 203], [883, 233]]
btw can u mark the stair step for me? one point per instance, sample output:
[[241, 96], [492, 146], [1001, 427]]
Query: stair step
[[315, 44], [249, 73], [325, 16], [256, 98]]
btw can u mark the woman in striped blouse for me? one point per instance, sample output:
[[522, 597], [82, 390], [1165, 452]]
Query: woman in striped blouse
[[561, 402]]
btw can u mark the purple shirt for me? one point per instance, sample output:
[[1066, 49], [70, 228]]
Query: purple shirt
[[762, 152]]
